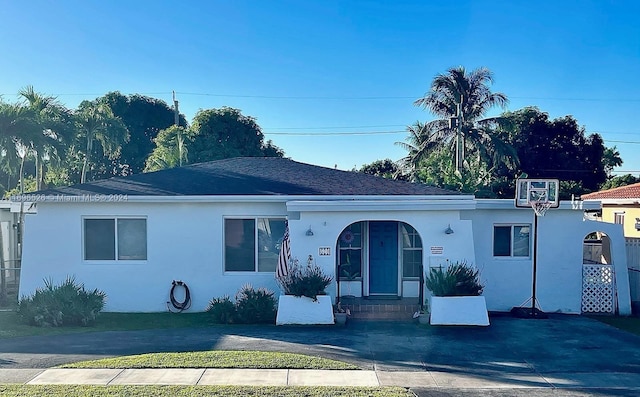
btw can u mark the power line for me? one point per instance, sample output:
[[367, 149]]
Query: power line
[[334, 133], [328, 128], [374, 97], [631, 142]]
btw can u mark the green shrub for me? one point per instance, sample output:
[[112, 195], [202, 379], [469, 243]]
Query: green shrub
[[66, 304], [255, 306], [251, 307], [459, 279], [309, 280], [222, 310]]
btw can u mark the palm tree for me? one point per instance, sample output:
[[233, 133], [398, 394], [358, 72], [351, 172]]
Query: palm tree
[[171, 149], [422, 140], [462, 99], [52, 121], [96, 123]]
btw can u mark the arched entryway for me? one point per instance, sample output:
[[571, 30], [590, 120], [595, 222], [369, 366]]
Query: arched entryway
[[381, 259], [598, 281]]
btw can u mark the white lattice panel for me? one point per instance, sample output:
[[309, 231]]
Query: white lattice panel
[[597, 289]]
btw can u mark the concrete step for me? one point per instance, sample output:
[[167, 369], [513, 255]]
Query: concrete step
[[382, 311]]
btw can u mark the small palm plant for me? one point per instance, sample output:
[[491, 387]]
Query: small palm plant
[[459, 279]]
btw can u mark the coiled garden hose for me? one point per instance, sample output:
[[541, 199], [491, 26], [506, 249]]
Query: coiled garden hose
[[177, 305]]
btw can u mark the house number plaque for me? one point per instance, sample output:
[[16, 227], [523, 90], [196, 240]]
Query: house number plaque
[[324, 251]]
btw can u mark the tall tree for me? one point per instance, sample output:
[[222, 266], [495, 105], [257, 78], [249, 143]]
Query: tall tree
[[171, 149], [556, 148], [144, 118], [611, 159], [462, 100], [96, 123], [225, 133], [52, 127], [618, 181], [421, 141], [384, 168]]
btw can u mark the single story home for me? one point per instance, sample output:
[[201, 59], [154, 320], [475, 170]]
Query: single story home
[[219, 225], [620, 205]]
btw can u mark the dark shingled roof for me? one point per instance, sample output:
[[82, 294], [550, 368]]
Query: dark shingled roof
[[250, 176]]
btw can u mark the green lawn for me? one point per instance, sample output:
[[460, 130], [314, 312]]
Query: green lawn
[[194, 391], [216, 359], [629, 324], [10, 325]]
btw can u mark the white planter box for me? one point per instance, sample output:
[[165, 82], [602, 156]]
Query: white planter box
[[459, 310], [303, 310]]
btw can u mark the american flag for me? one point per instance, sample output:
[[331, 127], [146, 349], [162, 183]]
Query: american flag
[[285, 255]]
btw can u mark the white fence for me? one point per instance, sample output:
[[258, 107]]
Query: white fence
[[633, 262]]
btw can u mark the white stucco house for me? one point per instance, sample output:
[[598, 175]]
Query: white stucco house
[[218, 225]]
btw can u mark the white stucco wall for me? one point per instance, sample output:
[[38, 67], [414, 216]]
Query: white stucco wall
[[559, 265], [430, 224], [184, 242]]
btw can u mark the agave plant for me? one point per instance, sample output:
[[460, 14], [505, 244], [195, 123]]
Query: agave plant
[[459, 279]]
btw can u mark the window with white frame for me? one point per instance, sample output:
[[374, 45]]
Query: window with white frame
[[115, 239], [252, 244], [618, 218], [411, 251], [512, 240], [350, 252]]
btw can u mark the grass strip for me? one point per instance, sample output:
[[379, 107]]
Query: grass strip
[[191, 391], [216, 359], [11, 326], [629, 324]]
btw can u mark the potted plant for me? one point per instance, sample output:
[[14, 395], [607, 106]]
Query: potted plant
[[348, 275], [422, 315], [341, 314], [305, 300], [456, 295]]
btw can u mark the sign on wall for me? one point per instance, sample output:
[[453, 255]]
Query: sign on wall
[[324, 251], [437, 250]]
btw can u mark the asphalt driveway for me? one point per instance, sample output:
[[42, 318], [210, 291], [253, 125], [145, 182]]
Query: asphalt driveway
[[559, 347]]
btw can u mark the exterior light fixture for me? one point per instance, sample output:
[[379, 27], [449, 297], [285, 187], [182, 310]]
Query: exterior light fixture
[[309, 231], [448, 230], [638, 224]]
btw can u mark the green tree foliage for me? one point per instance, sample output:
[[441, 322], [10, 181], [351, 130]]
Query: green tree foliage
[[52, 130], [100, 132], [384, 168], [461, 100], [611, 159], [171, 149], [144, 118], [225, 133], [555, 148], [438, 169], [618, 181]]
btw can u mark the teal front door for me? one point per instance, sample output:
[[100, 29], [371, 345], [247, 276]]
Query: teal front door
[[383, 258]]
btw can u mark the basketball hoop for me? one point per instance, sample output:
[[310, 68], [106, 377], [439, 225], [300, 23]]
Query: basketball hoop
[[539, 195], [540, 207]]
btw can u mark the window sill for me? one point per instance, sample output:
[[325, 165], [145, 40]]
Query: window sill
[[116, 262]]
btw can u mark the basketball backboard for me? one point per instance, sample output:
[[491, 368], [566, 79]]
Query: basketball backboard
[[539, 191]]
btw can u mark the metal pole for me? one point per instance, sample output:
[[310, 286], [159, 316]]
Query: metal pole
[[535, 264], [421, 292]]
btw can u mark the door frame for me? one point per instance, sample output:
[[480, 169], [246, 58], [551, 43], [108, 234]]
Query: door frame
[[367, 263]]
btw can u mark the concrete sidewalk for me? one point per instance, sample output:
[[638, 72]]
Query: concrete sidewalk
[[307, 377]]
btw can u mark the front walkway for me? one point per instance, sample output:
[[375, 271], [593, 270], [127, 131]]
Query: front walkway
[[308, 377]]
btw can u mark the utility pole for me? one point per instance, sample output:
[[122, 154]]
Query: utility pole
[[459, 139], [176, 122], [176, 112]]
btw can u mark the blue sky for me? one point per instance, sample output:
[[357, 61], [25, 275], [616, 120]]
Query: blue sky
[[310, 71]]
